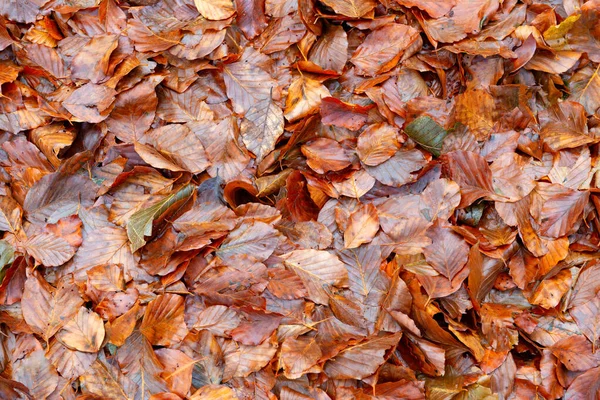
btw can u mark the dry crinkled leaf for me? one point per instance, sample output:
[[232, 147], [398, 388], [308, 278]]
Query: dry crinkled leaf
[[223, 149], [257, 239], [324, 155], [241, 360], [377, 144], [474, 108], [47, 309], [561, 210], [163, 322], [92, 61], [108, 245], [331, 50], [351, 8], [361, 359], [363, 224], [261, 127], [174, 147], [49, 250], [434, 8], [134, 111], [218, 319], [90, 103], [473, 175], [304, 98], [342, 114], [576, 353], [69, 363], [10, 214], [215, 9], [585, 89], [52, 139], [584, 386], [318, 270], [299, 199], [247, 84], [564, 126], [447, 253], [37, 374], [383, 48], [299, 356], [83, 333]]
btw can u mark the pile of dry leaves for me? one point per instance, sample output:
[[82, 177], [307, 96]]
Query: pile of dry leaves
[[299, 199]]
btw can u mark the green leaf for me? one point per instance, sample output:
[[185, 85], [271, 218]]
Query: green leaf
[[427, 133], [140, 222], [7, 256]]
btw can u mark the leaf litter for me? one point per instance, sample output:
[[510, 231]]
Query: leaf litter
[[299, 199]]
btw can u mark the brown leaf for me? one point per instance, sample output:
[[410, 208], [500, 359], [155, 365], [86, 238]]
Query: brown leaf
[[383, 48], [576, 353], [474, 108], [163, 322], [83, 333], [134, 111], [92, 61], [318, 270], [362, 359], [377, 144], [174, 147], [561, 210], [71, 364], [339, 113], [299, 356], [363, 224], [36, 372], [261, 128], [434, 8], [46, 309], [351, 8], [49, 250], [331, 50], [211, 9], [564, 126], [304, 98], [324, 155], [447, 252], [473, 175]]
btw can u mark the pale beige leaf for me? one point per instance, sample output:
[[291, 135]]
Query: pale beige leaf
[[107, 278], [46, 309], [85, 332], [174, 147], [218, 319], [215, 9], [49, 249], [108, 245], [163, 323], [381, 50], [363, 224], [261, 127], [70, 363], [351, 8], [318, 270], [241, 360], [362, 359], [304, 98], [299, 356], [36, 372]]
